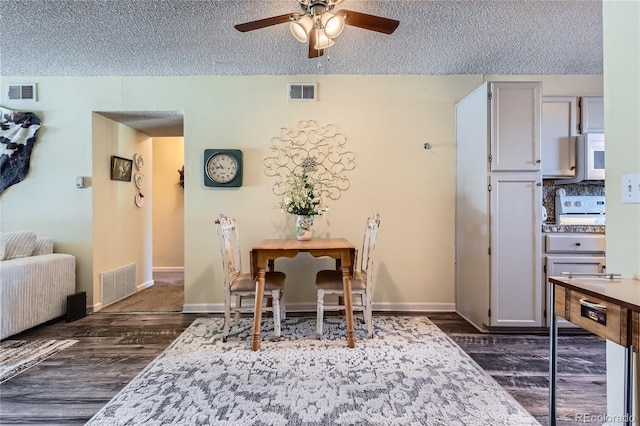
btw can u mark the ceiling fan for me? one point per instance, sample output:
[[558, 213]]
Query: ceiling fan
[[318, 25]]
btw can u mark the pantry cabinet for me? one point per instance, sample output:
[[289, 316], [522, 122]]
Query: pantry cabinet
[[515, 126], [498, 199], [559, 132]]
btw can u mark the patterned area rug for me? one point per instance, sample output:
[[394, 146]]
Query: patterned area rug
[[17, 356], [409, 373]]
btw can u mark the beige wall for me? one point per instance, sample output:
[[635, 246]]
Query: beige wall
[[621, 26], [168, 204], [121, 230], [386, 120]]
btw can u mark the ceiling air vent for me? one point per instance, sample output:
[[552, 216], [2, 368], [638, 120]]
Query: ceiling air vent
[[302, 91], [22, 91]]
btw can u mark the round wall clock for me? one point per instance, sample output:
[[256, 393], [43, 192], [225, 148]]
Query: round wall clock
[[223, 167]]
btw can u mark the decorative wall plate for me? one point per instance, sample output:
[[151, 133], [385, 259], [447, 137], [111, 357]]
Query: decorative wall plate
[[138, 160], [138, 178], [139, 199]]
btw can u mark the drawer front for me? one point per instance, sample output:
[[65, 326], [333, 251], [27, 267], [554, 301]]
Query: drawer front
[[575, 243], [635, 320], [616, 318]]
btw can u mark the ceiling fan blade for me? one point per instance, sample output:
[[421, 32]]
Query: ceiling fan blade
[[369, 22], [266, 22], [313, 52]]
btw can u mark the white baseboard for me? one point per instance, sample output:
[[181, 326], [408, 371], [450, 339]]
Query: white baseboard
[[142, 286], [167, 269], [193, 308]]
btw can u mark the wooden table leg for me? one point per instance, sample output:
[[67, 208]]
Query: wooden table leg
[[348, 307], [257, 312]]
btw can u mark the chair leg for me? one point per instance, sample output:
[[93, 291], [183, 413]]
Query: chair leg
[[276, 313], [236, 319], [368, 315], [227, 317], [319, 314], [283, 310]]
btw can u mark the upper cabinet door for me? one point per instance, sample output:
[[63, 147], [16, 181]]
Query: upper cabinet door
[[559, 130], [592, 114], [516, 110]]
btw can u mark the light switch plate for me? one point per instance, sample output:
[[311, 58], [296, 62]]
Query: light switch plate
[[631, 188]]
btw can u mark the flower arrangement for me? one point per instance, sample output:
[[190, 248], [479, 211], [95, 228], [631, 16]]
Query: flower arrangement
[[301, 196]]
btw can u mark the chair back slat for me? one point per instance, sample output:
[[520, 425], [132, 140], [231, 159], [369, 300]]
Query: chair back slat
[[368, 247], [229, 247]]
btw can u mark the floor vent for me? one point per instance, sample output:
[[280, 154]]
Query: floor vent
[[118, 283], [302, 91], [22, 91]]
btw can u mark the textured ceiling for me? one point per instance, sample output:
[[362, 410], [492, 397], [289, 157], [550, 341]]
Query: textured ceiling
[[196, 37]]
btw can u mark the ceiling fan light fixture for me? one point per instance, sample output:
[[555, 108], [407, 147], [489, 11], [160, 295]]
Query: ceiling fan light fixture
[[332, 24], [301, 28], [322, 41]]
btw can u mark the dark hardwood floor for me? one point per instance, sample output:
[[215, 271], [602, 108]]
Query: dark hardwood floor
[[71, 386]]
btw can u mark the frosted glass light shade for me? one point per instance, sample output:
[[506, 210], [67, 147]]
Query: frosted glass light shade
[[322, 41], [300, 28], [333, 24]]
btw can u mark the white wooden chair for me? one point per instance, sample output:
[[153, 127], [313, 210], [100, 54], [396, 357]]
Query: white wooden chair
[[241, 284], [362, 281]]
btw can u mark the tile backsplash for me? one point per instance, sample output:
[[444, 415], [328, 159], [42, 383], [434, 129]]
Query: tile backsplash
[[549, 194]]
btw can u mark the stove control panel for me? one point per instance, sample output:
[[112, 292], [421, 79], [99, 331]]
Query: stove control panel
[[580, 204]]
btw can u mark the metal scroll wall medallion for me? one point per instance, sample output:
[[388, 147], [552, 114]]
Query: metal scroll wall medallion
[[319, 151]]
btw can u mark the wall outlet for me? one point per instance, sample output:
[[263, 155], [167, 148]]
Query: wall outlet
[[631, 188]]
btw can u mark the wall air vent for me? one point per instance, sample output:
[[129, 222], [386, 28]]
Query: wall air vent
[[22, 91], [302, 91]]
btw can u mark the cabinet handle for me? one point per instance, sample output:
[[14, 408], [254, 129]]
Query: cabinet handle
[[578, 244], [538, 161]]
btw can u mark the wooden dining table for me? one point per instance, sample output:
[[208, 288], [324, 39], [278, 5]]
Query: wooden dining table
[[267, 251]]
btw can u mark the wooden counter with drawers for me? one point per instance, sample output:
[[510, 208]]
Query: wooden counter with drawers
[[607, 307]]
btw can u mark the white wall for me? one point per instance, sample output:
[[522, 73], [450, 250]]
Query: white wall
[[168, 204], [621, 26], [386, 120]]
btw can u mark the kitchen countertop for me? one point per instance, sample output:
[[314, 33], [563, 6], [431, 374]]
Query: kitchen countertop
[[551, 227]]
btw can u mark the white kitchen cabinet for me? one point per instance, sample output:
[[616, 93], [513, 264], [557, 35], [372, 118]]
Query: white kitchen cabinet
[[516, 296], [592, 114], [497, 240], [516, 109], [571, 253], [559, 131]]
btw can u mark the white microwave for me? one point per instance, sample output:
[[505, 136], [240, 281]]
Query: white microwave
[[592, 145], [589, 159]]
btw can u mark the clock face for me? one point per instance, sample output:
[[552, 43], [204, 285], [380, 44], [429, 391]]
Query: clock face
[[223, 167]]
